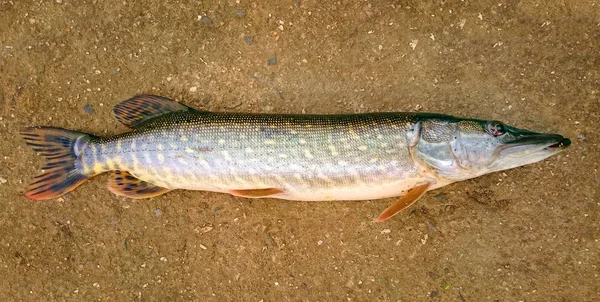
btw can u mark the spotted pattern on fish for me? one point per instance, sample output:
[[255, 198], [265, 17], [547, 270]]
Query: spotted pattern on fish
[[326, 151]]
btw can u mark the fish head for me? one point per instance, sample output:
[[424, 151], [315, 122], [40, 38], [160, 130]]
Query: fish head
[[458, 149]]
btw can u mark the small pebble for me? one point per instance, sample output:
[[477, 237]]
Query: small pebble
[[240, 13], [193, 89], [88, 109], [3, 180], [386, 231], [441, 197], [163, 259], [206, 20], [431, 226], [320, 242], [272, 61], [249, 40], [269, 239], [157, 212], [233, 106], [581, 137], [205, 229], [413, 44], [433, 275], [432, 294]]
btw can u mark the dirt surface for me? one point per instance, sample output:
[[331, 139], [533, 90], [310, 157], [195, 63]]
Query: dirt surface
[[529, 234]]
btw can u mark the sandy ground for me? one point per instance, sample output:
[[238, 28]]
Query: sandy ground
[[529, 234]]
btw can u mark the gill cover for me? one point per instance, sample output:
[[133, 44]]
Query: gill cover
[[433, 150]]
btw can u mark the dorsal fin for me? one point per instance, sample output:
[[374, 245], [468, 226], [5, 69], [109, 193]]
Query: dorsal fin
[[144, 107]]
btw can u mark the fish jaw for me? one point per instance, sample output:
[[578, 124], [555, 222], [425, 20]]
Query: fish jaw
[[528, 150]]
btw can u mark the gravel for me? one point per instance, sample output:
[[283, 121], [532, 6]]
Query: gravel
[[88, 109]]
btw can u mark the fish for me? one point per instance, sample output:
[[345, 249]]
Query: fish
[[305, 157]]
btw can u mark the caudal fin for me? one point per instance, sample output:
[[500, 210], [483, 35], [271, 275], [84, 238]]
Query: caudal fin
[[60, 148]]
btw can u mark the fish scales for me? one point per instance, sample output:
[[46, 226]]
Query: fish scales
[[297, 157], [311, 157]]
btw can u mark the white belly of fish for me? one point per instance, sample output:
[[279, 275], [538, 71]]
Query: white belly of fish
[[358, 192]]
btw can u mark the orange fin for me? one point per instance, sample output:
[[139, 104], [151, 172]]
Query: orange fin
[[60, 148], [142, 108], [256, 193], [404, 202], [124, 184]]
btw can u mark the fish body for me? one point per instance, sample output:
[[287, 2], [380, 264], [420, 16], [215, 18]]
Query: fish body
[[308, 157], [296, 157]]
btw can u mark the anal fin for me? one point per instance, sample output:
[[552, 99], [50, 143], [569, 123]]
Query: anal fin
[[256, 193], [404, 202], [124, 184]]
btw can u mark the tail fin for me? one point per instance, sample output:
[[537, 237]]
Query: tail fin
[[60, 148]]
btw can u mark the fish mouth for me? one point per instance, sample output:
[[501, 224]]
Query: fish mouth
[[529, 143], [564, 143]]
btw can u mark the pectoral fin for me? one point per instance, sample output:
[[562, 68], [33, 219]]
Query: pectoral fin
[[256, 193], [404, 202], [124, 184]]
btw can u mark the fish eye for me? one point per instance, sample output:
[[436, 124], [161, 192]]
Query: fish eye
[[495, 128]]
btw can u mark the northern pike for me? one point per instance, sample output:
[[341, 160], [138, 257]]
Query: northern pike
[[296, 157]]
